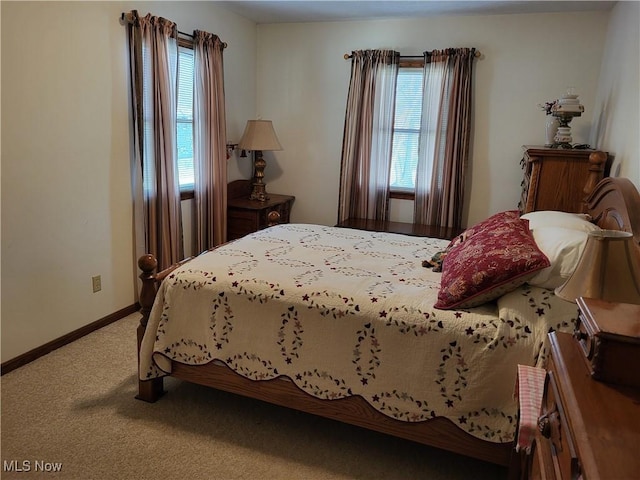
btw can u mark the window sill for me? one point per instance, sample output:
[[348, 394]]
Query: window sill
[[187, 195], [402, 195]]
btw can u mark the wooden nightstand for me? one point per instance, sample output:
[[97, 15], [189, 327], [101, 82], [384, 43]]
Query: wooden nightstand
[[609, 335], [588, 429], [246, 216]]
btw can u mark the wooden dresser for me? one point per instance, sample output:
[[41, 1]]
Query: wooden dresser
[[588, 429], [555, 178], [246, 216]]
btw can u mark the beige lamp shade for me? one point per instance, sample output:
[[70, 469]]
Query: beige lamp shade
[[609, 269], [259, 135]]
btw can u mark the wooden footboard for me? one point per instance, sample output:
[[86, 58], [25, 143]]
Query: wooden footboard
[[438, 432]]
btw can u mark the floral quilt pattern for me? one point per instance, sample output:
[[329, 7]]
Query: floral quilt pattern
[[344, 312]]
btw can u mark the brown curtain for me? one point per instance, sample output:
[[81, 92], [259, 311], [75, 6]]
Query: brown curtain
[[153, 68], [445, 137], [368, 133], [210, 139]]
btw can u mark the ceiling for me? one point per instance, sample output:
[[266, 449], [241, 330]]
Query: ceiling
[[288, 11]]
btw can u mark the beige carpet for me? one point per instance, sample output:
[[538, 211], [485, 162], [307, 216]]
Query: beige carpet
[[75, 408]]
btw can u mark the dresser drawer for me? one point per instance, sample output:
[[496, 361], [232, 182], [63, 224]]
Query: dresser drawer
[[555, 430], [588, 430], [539, 465]]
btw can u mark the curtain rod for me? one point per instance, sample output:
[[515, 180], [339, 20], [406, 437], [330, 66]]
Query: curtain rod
[[347, 56], [124, 18]]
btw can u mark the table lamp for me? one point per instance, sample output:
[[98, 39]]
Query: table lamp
[[259, 136], [609, 269], [564, 110]]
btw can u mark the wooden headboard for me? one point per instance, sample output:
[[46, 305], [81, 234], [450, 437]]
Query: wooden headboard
[[614, 204]]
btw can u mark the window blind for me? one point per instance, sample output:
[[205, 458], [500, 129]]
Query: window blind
[[406, 129], [185, 118]]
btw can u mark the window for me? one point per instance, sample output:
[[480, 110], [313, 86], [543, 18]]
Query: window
[[185, 118], [406, 129]]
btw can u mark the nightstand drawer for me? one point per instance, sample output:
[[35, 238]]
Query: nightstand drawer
[[241, 223], [609, 336], [246, 216], [275, 215]]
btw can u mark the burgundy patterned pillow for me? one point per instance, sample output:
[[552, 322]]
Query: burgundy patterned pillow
[[495, 259], [491, 223]]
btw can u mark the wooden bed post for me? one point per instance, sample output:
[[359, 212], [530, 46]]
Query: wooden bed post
[[148, 390], [597, 162]]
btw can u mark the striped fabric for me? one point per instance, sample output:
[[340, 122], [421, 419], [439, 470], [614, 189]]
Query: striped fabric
[[529, 390], [367, 139]]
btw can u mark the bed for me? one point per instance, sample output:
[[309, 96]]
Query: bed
[[343, 324]]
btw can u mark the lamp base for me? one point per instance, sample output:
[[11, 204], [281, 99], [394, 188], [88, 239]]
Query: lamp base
[[563, 137], [258, 192]]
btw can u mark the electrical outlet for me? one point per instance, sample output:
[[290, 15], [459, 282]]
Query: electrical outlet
[[97, 283]]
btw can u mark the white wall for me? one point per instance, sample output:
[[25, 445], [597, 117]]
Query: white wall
[[66, 188], [526, 60], [617, 125]]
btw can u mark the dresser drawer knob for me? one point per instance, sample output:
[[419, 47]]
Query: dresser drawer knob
[[580, 335], [544, 425]]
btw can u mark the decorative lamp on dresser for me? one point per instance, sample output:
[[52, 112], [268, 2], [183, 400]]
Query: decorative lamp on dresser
[[555, 178], [589, 424], [246, 216]]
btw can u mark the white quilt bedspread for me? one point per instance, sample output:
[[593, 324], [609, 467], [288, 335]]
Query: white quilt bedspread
[[346, 312]]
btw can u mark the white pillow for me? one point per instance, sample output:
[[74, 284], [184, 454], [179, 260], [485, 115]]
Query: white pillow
[[563, 247], [550, 218]]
